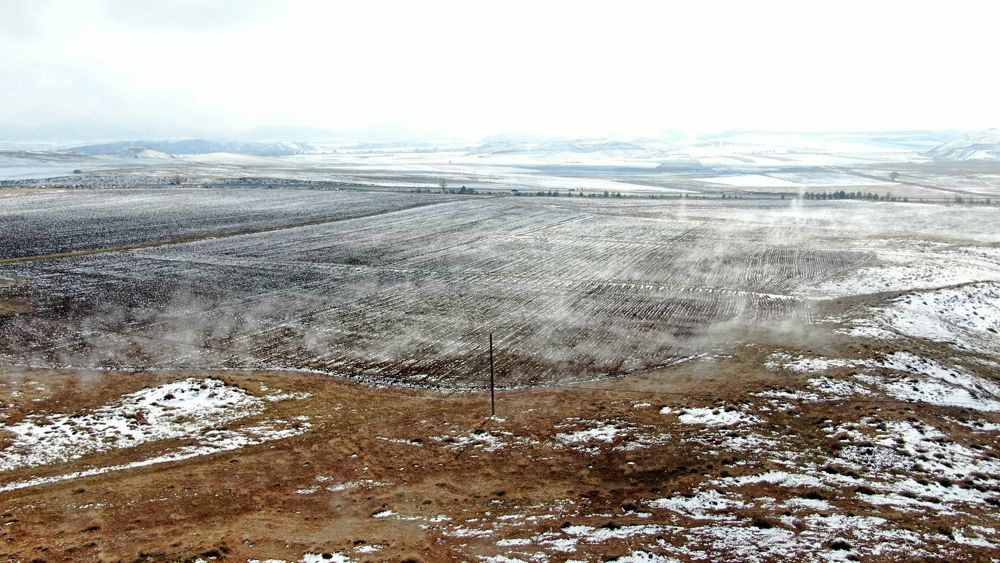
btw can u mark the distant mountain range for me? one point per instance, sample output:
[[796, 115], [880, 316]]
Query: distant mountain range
[[509, 145], [734, 141], [940, 145], [192, 146], [984, 145]]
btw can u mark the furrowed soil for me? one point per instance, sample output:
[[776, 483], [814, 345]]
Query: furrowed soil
[[680, 380]]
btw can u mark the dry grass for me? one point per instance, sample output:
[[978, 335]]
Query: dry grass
[[12, 307], [421, 454]]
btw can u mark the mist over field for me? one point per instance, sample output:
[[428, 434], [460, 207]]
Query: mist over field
[[395, 264]]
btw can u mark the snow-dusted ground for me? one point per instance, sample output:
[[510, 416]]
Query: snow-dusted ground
[[884, 463], [192, 409], [592, 436], [911, 378], [908, 465], [804, 181], [909, 265], [209, 442], [750, 181], [328, 557], [583, 288], [966, 317], [178, 409], [718, 416], [26, 172], [22, 165]]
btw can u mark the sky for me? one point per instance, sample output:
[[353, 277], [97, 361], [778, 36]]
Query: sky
[[474, 68]]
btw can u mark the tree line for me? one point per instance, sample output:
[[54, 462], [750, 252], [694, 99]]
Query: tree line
[[852, 195]]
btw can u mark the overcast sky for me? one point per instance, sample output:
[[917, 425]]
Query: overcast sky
[[474, 68]]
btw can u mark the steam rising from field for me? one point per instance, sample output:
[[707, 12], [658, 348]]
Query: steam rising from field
[[403, 289]]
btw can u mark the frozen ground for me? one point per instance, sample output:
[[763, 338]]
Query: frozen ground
[[966, 317], [796, 473], [807, 380], [904, 263], [402, 287], [395, 287], [160, 413], [188, 409], [24, 165], [51, 222]]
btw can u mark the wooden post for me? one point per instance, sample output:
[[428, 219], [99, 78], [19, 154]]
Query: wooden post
[[493, 404]]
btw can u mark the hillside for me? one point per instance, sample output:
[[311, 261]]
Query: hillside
[[984, 145], [194, 146]]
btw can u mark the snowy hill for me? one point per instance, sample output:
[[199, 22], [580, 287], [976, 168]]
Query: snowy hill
[[194, 146], [508, 145], [984, 145], [143, 152]]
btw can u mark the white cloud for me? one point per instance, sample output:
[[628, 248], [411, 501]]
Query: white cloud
[[573, 68]]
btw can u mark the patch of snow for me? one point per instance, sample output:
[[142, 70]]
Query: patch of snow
[[914, 266], [502, 559], [782, 478], [286, 396], [898, 445], [591, 436], [808, 503], [804, 364], [590, 534], [605, 433], [358, 484], [487, 441], [977, 425], [788, 395], [644, 557], [908, 362], [513, 541], [704, 505], [718, 416], [325, 558], [867, 332], [173, 410], [966, 317], [837, 387], [211, 442], [466, 532], [936, 393]]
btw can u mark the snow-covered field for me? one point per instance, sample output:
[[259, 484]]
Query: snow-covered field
[[908, 264], [750, 181], [966, 317], [400, 287], [395, 287]]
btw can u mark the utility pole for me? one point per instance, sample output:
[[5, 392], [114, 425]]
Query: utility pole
[[493, 403]]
